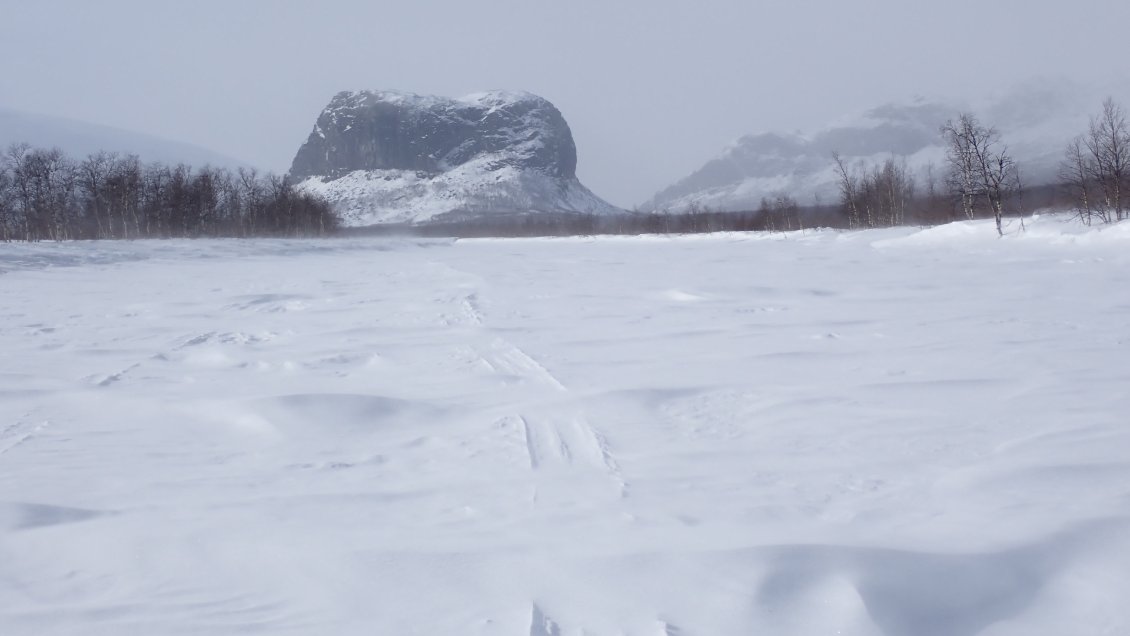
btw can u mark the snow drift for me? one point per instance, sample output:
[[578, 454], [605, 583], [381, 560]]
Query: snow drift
[[895, 432]]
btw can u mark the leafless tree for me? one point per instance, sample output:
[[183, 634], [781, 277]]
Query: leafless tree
[[6, 210], [45, 187], [20, 195], [933, 205], [1075, 172], [251, 193], [849, 191], [961, 160], [980, 166], [7, 207], [45, 195], [1108, 143], [155, 202], [93, 173], [780, 214], [1000, 179], [890, 189], [124, 184], [876, 196]]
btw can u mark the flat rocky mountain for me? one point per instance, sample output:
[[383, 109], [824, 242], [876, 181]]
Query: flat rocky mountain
[[391, 157]]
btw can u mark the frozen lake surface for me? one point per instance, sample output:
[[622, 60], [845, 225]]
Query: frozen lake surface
[[901, 433]]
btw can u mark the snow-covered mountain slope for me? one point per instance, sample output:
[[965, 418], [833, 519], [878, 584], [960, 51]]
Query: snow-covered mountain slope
[[1036, 121], [79, 139], [895, 432], [390, 157]]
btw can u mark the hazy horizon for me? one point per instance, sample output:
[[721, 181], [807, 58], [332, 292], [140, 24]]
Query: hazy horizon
[[650, 90]]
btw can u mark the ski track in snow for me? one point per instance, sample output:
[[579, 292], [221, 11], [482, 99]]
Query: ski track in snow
[[561, 440], [888, 433], [512, 362]]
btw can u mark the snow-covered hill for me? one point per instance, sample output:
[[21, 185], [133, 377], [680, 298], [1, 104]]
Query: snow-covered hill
[[390, 157], [79, 138], [1036, 122]]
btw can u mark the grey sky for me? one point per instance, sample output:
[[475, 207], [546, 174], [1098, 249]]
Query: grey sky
[[651, 89]]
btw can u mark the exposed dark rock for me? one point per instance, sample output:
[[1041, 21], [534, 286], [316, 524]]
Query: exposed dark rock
[[393, 157]]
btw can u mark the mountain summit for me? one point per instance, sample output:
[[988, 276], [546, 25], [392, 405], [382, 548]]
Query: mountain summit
[[391, 157]]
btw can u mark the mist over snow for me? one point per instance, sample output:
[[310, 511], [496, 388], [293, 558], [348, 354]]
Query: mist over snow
[[887, 433], [652, 90], [1036, 119]]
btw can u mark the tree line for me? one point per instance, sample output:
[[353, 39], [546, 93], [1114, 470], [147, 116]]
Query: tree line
[[980, 176], [876, 196], [46, 195], [1097, 167], [779, 214], [982, 179]]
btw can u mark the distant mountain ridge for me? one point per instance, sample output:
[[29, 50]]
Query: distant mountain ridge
[[392, 157], [79, 139], [1036, 122]]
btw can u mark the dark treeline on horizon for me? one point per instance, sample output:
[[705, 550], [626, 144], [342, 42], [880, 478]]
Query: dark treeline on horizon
[[696, 221], [981, 178], [780, 214], [46, 195]]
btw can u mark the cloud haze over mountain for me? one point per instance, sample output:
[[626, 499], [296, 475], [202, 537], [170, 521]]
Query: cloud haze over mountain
[[652, 90], [78, 138], [1036, 119]]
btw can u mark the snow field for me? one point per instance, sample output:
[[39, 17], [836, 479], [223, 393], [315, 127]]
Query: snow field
[[896, 432]]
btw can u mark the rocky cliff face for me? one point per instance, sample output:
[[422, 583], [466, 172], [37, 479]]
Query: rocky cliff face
[[396, 157]]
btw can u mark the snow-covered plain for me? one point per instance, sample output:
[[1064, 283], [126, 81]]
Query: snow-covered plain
[[900, 432]]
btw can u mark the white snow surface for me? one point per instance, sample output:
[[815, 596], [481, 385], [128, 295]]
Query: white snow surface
[[893, 432]]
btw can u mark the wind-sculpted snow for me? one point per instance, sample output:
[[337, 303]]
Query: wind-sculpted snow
[[891, 433]]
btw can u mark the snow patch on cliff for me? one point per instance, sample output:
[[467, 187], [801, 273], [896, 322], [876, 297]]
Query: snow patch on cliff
[[393, 157], [369, 197]]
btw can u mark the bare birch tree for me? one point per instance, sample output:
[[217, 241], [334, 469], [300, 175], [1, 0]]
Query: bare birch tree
[[93, 173], [1075, 172], [960, 138], [6, 211], [849, 191], [980, 166], [1096, 167], [44, 195], [1108, 142], [780, 214], [876, 196]]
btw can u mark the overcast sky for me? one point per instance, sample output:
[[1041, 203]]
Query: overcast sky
[[651, 88]]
